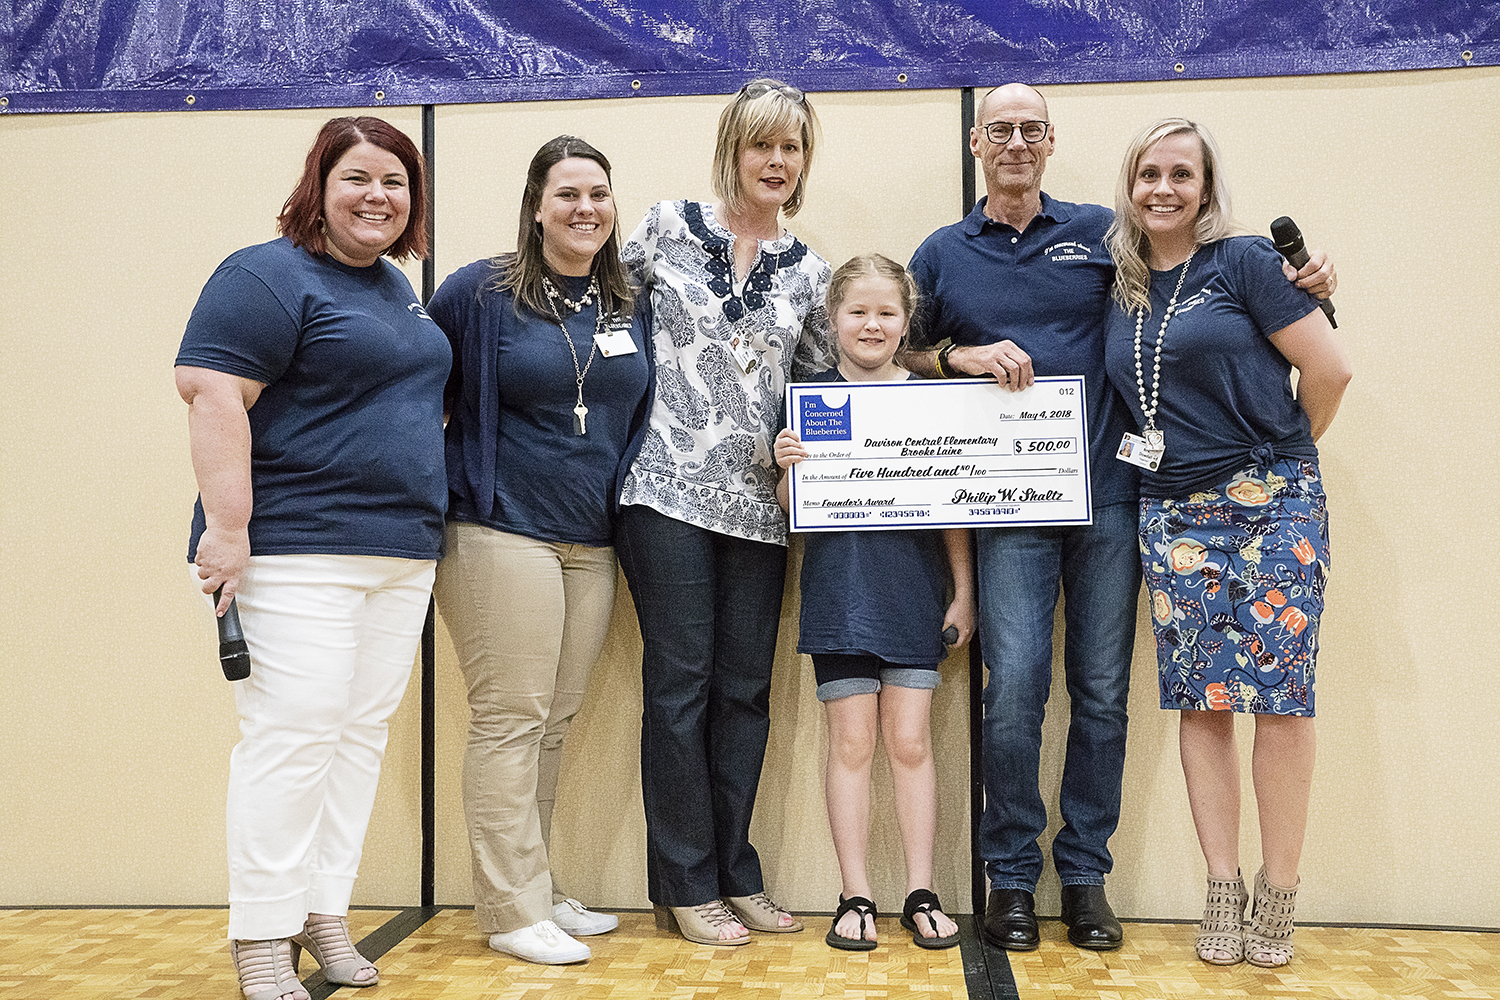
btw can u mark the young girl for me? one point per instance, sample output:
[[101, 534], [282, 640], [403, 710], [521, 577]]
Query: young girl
[[873, 617]]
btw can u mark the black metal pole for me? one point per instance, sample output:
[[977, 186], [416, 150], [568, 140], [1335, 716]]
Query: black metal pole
[[966, 157], [429, 155], [976, 770], [976, 654], [429, 629]]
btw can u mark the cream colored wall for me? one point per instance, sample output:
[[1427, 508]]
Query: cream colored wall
[[115, 724]]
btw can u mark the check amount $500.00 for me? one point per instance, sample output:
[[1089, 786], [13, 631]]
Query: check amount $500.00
[[935, 454]]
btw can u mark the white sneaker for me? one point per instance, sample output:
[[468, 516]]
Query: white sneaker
[[543, 943], [579, 921]]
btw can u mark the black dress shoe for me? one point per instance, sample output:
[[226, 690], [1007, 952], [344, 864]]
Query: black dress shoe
[[1091, 923], [1010, 920]]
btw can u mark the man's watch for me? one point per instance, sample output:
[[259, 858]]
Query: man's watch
[[940, 362]]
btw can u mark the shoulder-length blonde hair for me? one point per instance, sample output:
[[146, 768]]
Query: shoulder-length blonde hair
[[1126, 238], [772, 111]]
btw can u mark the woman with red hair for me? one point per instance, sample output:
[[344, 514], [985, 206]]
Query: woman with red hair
[[314, 383]]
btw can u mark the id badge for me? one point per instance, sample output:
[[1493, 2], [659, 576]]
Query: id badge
[[1138, 451], [744, 355], [615, 341]]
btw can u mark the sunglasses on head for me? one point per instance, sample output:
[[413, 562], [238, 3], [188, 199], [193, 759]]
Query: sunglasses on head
[[754, 90]]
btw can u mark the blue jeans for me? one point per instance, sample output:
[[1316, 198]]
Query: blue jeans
[[709, 605], [1020, 569]]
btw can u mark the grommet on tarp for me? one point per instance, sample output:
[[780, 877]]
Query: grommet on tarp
[[1179, 68], [4, 102], [635, 85], [1466, 55], [379, 95], [900, 77], [190, 99]]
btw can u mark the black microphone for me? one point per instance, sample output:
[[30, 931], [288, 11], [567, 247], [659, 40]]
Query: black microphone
[[1288, 240], [234, 655]]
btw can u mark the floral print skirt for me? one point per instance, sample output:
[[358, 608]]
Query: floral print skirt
[[1235, 576]]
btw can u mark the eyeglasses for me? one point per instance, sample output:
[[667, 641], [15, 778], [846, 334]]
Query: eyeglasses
[[1000, 132], [754, 90]]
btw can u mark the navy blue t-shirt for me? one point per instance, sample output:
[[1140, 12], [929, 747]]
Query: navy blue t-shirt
[[513, 391], [347, 436], [883, 593], [1225, 389], [1046, 289]]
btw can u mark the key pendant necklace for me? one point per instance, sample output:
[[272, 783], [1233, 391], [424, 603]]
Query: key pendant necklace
[[1155, 439], [580, 412]]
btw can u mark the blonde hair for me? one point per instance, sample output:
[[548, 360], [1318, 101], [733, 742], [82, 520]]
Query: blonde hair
[[1126, 238], [748, 120], [874, 265]]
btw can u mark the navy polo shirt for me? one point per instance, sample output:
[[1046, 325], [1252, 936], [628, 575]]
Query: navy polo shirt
[[1047, 290]]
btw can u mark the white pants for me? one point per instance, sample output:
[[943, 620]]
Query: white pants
[[332, 639]]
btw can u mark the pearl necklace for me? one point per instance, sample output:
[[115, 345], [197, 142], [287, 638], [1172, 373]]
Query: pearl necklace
[[1154, 437], [554, 295]]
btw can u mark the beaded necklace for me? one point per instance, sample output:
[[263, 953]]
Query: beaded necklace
[[580, 412], [1154, 437], [588, 293]]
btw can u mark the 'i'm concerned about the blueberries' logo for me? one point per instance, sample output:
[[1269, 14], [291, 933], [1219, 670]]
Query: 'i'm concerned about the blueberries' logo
[[821, 422]]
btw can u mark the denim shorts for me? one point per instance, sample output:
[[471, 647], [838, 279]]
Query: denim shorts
[[841, 675]]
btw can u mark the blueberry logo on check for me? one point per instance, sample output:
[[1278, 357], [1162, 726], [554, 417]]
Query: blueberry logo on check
[[821, 422]]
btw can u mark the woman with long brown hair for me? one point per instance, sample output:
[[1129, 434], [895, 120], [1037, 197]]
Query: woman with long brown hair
[[547, 402]]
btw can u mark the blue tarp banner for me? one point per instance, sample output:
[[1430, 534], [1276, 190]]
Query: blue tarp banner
[[155, 55]]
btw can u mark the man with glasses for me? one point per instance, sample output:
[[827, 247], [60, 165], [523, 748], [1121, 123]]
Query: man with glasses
[[1021, 288]]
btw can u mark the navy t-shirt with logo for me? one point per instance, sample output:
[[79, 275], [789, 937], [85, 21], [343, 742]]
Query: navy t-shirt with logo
[[515, 463], [881, 593], [347, 436], [1226, 399]]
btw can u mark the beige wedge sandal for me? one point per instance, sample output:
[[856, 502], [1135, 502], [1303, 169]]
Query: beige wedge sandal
[[1221, 931], [1268, 934]]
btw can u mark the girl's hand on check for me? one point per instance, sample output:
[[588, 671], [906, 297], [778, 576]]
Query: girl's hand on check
[[788, 449]]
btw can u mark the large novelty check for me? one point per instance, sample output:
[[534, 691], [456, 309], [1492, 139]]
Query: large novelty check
[[928, 453]]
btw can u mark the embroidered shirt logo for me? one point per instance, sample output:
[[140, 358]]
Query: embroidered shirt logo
[[416, 310], [1198, 299], [1068, 250]]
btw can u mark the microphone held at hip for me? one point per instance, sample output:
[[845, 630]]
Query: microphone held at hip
[[234, 655]]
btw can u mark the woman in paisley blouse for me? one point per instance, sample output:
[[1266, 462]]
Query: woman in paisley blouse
[[738, 312]]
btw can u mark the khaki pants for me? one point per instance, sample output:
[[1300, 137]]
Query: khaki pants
[[528, 619]]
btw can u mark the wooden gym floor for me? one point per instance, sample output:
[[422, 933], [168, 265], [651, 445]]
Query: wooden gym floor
[[174, 954]]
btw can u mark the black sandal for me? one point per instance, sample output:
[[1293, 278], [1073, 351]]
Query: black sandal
[[924, 901], [866, 911]]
